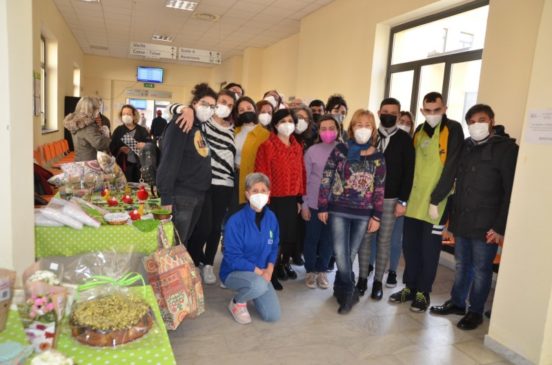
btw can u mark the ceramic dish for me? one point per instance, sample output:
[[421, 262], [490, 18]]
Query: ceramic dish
[[116, 218]]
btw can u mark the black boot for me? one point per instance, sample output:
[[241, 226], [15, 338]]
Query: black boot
[[362, 285], [275, 283], [291, 274], [350, 300], [281, 272], [377, 292]]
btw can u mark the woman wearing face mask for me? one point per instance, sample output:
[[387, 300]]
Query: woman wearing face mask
[[249, 135], [305, 130], [350, 200], [87, 136], [406, 123], [281, 159], [205, 238], [265, 111], [184, 174], [127, 141], [337, 106], [317, 243], [274, 98], [251, 240]]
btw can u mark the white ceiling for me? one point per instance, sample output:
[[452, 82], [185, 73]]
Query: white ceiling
[[107, 28]]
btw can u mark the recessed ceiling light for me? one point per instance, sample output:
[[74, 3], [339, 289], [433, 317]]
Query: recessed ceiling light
[[100, 48], [181, 4], [90, 1], [206, 17], [162, 38]]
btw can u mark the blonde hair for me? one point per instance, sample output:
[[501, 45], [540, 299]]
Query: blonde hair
[[360, 113], [88, 105]]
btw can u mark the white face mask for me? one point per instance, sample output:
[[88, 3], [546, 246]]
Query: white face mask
[[405, 128], [272, 100], [258, 201], [265, 119], [479, 131], [127, 119], [286, 129], [236, 96], [301, 126], [433, 119], [362, 135], [222, 111], [339, 118], [203, 113]]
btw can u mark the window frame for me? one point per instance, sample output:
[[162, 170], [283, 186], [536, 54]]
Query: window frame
[[447, 59], [43, 84]]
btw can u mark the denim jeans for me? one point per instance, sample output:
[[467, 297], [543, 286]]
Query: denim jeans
[[474, 273], [250, 286], [347, 234], [317, 244], [396, 246]]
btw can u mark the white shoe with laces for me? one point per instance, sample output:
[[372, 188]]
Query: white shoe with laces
[[208, 275], [239, 312]]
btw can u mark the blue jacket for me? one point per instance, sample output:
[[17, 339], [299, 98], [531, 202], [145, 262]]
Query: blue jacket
[[247, 247]]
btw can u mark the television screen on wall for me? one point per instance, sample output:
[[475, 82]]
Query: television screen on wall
[[149, 74]]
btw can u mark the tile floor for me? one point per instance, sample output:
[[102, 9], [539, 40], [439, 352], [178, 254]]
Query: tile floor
[[311, 332]]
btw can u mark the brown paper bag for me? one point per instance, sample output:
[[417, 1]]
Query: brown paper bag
[[7, 282], [175, 281]]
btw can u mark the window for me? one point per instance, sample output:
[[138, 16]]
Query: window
[[441, 52], [76, 81], [43, 76]]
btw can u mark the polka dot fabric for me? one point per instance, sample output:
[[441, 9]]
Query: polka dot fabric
[[154, 348], [65, 241], [14, 329]]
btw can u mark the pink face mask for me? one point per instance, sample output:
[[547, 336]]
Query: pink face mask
[[328, 136]]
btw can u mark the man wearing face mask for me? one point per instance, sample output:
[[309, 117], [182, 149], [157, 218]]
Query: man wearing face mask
[[337, 107], [397, 147], [318, 109], [438, 143], [479, 211]]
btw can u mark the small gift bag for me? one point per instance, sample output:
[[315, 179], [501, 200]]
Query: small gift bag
[[175, 281], [44, 306], [7, 281]]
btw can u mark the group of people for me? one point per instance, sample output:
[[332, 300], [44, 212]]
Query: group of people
[[289, 181]]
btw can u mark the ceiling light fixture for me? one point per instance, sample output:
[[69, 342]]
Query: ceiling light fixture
[[181, 4], [162, 38], [90, 1], [206, 17]]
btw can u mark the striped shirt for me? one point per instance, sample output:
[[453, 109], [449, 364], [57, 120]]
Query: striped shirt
[[223, 150]]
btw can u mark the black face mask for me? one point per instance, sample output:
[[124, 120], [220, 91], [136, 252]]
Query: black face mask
[[388, 120], [247, 117], [316, 118]]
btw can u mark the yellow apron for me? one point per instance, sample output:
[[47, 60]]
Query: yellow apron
[[427, 172]]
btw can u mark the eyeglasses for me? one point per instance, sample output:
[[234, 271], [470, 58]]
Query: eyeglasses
[[206, 104]]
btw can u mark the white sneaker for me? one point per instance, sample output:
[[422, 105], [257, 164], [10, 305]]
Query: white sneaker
[[239, 312], [208, 275], [322, 281], [310, 280]]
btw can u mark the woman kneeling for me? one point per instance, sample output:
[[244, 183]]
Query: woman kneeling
[[250, 250]]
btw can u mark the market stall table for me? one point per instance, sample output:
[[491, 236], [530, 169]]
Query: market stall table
[[14, 329], [65, 241]]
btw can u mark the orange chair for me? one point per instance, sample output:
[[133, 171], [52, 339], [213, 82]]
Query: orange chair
[[37, 155], [58, 149]]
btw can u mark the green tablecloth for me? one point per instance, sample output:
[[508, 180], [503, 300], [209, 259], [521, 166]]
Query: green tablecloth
[[153, 348], [65, 241], [14, 329]]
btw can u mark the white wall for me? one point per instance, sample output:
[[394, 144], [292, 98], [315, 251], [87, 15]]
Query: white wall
[[16, 143]]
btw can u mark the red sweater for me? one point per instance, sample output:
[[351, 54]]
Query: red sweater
[[284, 166]]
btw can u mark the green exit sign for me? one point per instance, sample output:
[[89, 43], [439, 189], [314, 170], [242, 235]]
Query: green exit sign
[[149, 85]]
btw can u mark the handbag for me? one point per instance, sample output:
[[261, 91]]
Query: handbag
[[175, 281]]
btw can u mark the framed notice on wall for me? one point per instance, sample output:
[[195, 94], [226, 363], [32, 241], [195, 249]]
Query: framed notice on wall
[[36, 94]]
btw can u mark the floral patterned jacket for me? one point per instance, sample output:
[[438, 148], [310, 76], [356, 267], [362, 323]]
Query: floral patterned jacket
[[353, 187]]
